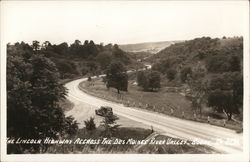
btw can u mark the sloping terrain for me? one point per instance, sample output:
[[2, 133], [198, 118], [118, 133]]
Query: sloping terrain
[[151, 47]]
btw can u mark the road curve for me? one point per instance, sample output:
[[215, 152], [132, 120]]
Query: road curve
[[222, 139]]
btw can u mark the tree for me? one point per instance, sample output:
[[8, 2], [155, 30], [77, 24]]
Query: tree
[[171, 74], [33, 95], [218, 64], [104, 59], [149, 80], [75, 48], [109, 124], [196, 104], [35, 45], [92, 67], [86, 42], [91, 50], [185, 73], [117, 77], [66, 68], [61, 49], [90, 124], [71, 126], [199, 92], [141, 78], [46, 45], [226, 93], [234, 63], [222, 101], [162, 66], [154, 80]]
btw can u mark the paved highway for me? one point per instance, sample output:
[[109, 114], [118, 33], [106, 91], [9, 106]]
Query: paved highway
[[222, 139]]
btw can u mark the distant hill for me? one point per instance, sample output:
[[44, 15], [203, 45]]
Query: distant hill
[[198, 50], [151, 47]]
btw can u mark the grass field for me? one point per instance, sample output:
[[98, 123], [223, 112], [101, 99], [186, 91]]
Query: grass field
[[161, 102]]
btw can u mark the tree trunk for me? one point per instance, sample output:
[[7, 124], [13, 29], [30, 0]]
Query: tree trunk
[[229, 116], [118, 91]]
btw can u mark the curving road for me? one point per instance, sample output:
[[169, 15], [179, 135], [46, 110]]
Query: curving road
[[222, 139]]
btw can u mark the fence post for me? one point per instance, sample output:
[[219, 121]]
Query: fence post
[[172, 111], [208, 119]]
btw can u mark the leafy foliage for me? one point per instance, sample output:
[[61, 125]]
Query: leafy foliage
[[77, 58], [226, 93], [90, 124], [171, 73], [33, 95], [117, 77], [140, 78], [109, 124], [185, 73], [208, 68], [150, 80]]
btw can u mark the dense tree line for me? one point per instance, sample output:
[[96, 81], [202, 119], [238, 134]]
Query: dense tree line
[[78, 58]]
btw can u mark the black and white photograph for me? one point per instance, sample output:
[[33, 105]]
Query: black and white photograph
[[125, 80]]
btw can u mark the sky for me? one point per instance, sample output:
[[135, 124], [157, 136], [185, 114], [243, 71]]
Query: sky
[[121, 22]]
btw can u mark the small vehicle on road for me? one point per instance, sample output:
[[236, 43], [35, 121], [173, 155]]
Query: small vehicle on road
[[104, 111]]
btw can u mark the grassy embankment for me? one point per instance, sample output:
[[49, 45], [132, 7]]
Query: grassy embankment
[[126, 134], [161, 102]]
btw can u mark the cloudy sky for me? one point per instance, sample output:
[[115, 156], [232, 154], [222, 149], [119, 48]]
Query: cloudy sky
[[121, 22]]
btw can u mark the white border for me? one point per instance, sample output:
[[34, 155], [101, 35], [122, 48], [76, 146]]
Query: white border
[[126, 157]]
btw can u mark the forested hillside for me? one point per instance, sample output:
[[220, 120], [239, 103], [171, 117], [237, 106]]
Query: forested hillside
[[211, 70], [76, 59], [207, 51]]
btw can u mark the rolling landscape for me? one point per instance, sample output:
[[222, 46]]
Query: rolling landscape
[[124, 81], [158, 97]]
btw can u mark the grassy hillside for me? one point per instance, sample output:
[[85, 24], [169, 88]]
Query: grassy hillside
[[151, 47]]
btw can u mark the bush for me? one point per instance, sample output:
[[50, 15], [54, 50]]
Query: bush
[[110, 126], [90, 124], [185, 72], [171, 73]]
